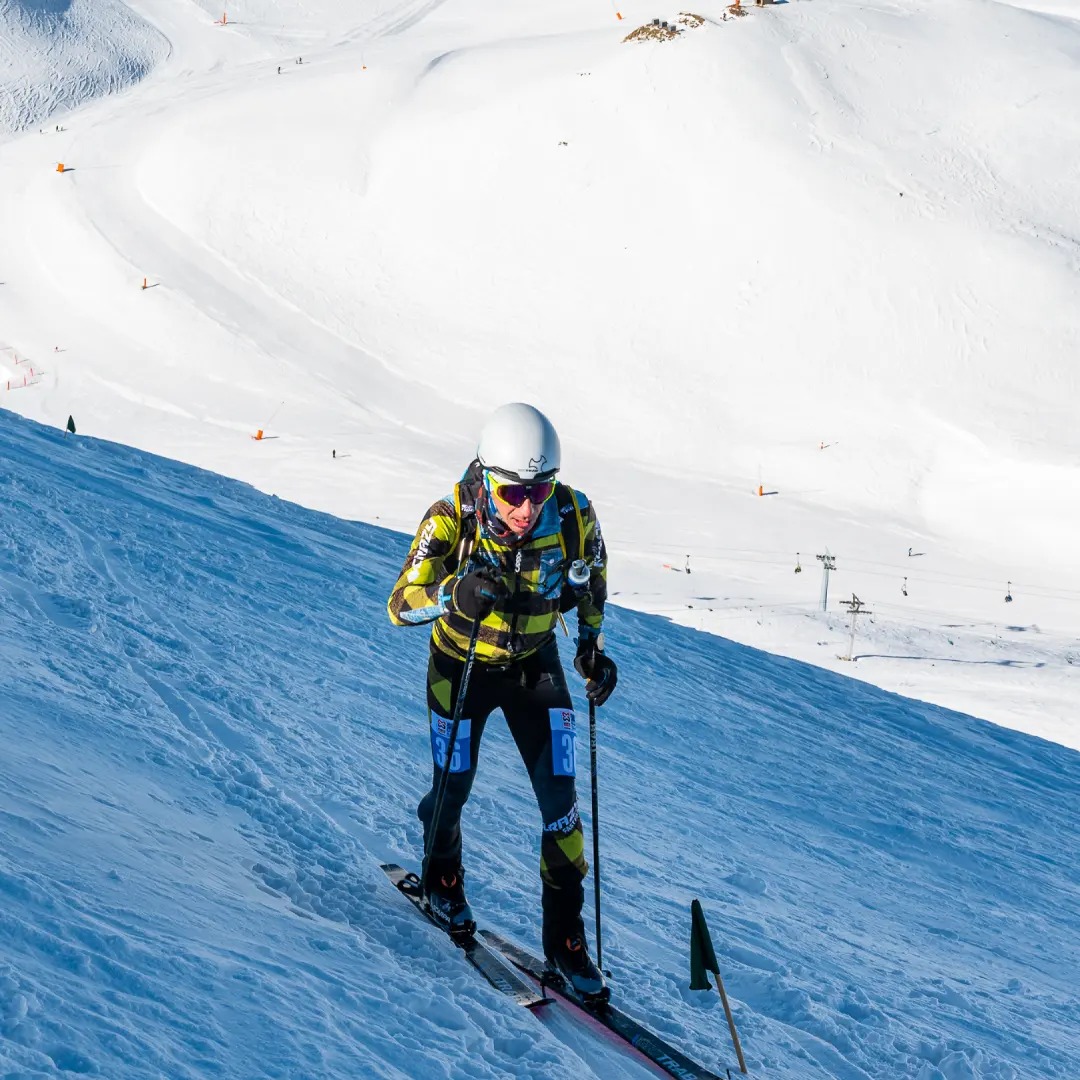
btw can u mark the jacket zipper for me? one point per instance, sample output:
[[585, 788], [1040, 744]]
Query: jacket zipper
[[513, 600]]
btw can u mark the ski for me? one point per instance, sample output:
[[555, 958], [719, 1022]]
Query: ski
[[487, 960], [674, 1062]]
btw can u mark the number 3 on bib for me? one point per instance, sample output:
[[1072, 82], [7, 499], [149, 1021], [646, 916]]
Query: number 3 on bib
[[460, 757], [563, 736]]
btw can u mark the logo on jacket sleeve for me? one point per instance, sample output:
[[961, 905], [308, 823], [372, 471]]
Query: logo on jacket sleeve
[[423, 548]]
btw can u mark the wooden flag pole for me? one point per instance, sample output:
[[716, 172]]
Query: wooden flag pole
[[702, 959]]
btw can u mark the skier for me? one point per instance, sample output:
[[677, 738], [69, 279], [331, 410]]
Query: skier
[[499, 549]]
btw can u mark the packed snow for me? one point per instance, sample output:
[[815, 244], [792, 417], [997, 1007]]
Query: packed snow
[[213, 738], [795, 284]]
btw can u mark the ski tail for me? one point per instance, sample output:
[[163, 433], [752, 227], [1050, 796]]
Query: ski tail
[[665, 1056], [488, 961]]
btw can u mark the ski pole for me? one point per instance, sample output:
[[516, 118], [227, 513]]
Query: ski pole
[[595, 833], [459, 705]]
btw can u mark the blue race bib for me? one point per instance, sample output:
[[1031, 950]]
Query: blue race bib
[[563, 734], [460, 757]]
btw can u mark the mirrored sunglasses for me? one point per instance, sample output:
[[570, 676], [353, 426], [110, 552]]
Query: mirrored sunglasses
[[516, 494]]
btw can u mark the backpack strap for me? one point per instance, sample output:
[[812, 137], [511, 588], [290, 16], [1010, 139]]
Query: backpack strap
[[468, 526], [571, 526]]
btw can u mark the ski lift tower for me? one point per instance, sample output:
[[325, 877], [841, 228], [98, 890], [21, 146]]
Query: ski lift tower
[[855, 605], [828, 562]]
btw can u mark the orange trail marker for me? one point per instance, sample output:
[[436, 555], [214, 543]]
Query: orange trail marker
[[258, 435], [60, 166], [144, 285]]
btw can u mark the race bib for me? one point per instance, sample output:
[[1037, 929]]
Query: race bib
[[563, 734], [460, 756]]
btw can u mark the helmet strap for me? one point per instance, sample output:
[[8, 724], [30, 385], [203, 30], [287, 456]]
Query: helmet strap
[[488, 516]]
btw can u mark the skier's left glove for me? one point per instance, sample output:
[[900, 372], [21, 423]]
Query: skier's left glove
[[600, 671]]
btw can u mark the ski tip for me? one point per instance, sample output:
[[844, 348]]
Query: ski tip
[[404, 880]]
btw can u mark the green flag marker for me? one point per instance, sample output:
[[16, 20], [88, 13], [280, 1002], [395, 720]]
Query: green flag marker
[[702, 956], [702, 959]]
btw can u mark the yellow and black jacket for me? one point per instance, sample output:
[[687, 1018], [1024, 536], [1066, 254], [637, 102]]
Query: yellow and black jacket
[[454, 538]]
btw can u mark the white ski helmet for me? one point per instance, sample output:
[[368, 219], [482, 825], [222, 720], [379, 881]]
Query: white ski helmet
[[519, 442]]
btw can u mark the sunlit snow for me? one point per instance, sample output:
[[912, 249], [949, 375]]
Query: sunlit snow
[[795, 284]]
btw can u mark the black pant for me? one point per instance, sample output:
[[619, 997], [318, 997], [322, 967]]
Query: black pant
[[536, 703]]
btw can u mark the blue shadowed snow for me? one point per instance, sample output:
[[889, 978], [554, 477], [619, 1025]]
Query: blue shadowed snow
[[58, 54], [212, 735]]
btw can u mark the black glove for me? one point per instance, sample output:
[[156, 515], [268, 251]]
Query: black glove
[[476, 594], [600, 671]]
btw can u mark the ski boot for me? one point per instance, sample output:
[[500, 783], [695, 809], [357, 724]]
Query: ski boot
[[444, 898], [569, 959]]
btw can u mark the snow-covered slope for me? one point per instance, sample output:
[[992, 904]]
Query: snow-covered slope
[[212, 736], [827, 251], [58, 54]]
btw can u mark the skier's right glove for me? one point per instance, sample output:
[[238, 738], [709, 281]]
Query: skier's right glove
[[476, 594], [600, 671]]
